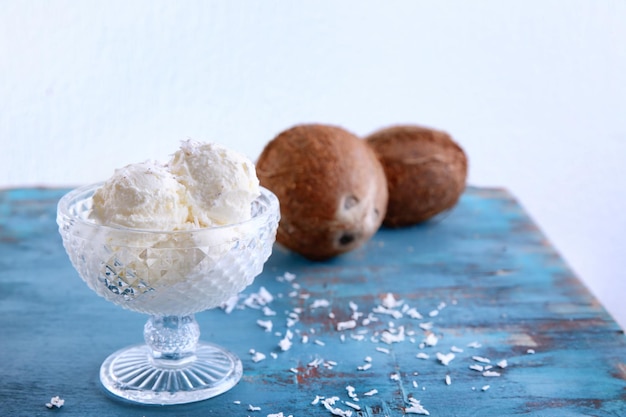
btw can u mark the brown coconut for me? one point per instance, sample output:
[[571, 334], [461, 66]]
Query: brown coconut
[[331, 187], [426, 172]]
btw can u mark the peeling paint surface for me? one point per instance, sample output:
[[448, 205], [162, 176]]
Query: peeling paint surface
[[481, 281]]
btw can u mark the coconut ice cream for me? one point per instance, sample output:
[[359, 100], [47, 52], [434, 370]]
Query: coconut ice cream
[[220, 184], [167, 225]]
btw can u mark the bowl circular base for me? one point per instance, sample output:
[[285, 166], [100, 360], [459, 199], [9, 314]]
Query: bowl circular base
[[135, 375]]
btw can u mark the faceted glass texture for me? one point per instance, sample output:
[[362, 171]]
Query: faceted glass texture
[[166, 273]]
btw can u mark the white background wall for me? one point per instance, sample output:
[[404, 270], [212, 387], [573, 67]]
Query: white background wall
[[534, 90]]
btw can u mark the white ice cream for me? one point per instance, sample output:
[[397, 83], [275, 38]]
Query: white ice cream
[[141, 196], [203, 185], [220, 183]]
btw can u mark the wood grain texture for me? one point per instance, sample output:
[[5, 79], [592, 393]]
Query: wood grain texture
[[482, 273]]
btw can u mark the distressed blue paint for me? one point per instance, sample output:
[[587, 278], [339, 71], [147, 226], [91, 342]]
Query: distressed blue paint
[[512, 290]]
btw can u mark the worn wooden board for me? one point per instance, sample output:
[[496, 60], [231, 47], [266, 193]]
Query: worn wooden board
[[483, 273]]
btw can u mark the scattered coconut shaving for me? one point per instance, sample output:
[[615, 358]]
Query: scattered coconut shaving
[[477, 367], [371, 392], [391, 302], [55, 402], [416, 408], [445, 359], [364, 367], [329, 404], [431, 339], [390, 337], [266, 324], [257, 357], [285, 343], [353, 405], [395, 332], [319, 304], [346, 325], [396, 314]]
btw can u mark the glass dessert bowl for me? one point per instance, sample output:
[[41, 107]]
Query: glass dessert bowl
[[170, 275]]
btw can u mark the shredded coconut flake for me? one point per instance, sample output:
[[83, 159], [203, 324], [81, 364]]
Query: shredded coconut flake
[[414, 314], [445, 358], [257, 357], [477, 367], [353, 405], [383, 350], [346, 325], [422, 355], [390, 301], [285, 343], [448, 380], [253, 408], [329, 403], [55, 402], [503, 363], [396, 314], [316, 400], [266, 324], [371, 392], [481, 359], [485, 387], [491, 373], [431, 339], [474, 345], [416, 408], [364, 367], [389, 337], [320, 303], [229, 305], [456, 349], [426, 326]]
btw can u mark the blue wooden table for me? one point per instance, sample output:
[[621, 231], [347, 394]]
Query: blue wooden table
[[474, 314]]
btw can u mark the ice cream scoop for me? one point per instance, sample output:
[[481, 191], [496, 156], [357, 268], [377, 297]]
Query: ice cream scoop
[[141, 196], [220, 183]]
